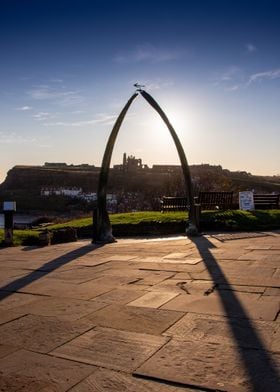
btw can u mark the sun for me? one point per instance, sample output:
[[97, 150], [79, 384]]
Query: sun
[[158, 132]]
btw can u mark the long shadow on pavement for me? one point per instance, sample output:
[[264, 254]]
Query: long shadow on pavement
[[261, 368], [44, 270]]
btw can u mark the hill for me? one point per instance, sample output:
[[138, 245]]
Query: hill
[[24, 184]]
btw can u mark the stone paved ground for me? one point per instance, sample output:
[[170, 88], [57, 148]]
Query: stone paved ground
[[142, 316]]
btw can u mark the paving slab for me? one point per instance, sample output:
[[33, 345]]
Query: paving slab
[[111, 348], [61, 308], [187, 286], [189, 276], [117, 270], [92, 260], [177, 286], [9, 315], [46, 373], [103, 380], [8, 273], [147, 259], [109, 321], [258, 247], [6, 349], [275, 291], [35, 264], [179, 255], [111, 280], [122, 257], [224, 330], [235, 305], [11, 300], [154, 277], [22, 383], [168, 267], [135, 319], [121, 296], [226, 255], [40, 334], [64, 289], [215, 366], [234, 269], [234, 278], [80, 275], [153, 299], [259, 264], [241, 288], [254, 256], [238, 236]]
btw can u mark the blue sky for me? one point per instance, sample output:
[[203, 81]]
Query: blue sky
[[68, 67]]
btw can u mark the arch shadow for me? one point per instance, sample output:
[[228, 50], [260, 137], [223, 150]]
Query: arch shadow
[[44, 270], [261, 368]]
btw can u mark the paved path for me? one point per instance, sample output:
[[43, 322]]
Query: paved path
[[142, 316]]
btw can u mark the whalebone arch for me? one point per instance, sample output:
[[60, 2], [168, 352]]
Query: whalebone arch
[[102, 229]]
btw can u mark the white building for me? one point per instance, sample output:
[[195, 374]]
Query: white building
[[70, 192]]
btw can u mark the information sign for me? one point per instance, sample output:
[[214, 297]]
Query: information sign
[[246, 201]]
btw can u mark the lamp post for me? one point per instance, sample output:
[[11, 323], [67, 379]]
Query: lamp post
[[9, 208]]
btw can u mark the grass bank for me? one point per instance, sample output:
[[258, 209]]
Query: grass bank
[[151, 222]]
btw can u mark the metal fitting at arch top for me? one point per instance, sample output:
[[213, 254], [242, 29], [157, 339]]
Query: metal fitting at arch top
[[102, 229]]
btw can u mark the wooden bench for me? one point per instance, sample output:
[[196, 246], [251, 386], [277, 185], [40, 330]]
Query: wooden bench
[[207, 201], [215, 200], [266, 201], [174, 204]]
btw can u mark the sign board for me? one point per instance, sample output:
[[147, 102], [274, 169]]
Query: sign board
[[9, 206], [246, 201]]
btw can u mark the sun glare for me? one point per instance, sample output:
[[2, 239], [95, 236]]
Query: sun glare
[[158, 130]]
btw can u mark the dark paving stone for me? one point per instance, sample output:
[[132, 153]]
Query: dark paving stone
[[121, 296], [10, 301], [9, 315], [215, 366], [236, 306], [6, 350], [237, 236], [272, 291], [224, 330], [103, 380], [62, 308], [167, 267], [40, 372], [154, 277], [64, 289], [38, 333], [111, 348], [194, 265], [22, 383], [248, 278], [241, 288], [135, 319], [177, 286]]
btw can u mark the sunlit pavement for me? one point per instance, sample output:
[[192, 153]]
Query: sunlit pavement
[[165, 315]]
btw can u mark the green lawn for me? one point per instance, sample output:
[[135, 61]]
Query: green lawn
[[128, 218], [210, 220], [22, 237]]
